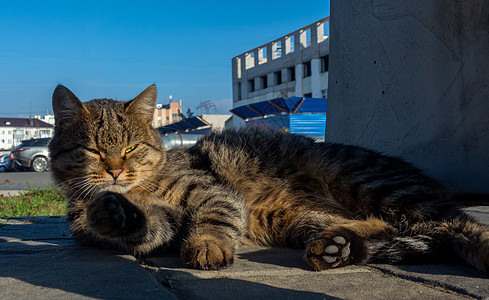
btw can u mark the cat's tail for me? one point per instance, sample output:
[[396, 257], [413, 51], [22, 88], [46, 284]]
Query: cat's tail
[[439, 242]]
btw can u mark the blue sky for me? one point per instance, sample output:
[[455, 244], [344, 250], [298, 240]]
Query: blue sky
[[115, 49]]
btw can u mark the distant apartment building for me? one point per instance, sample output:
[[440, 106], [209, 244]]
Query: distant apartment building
[[46, 118], [167, 114], [14, 130], [294, 65]]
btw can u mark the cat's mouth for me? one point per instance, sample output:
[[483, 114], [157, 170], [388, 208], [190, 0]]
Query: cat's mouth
[[115, 187]]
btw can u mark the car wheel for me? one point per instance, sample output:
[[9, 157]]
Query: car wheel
[[39, 164], [3, 169]]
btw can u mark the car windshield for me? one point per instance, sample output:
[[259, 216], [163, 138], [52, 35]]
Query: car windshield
[[34, 143], [27, 143], [40, 143]]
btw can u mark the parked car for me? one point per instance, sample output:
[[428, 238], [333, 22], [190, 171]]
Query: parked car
[[4, 162], [32, 154]]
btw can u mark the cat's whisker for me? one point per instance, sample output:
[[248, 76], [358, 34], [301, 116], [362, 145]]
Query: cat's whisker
[[76, 185], [69, 182], [159, 173], [149, 185], [142, 186], [82, 190], [157, 185]]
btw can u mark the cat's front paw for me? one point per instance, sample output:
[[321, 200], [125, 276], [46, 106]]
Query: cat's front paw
[[112, 215], [207, 252]]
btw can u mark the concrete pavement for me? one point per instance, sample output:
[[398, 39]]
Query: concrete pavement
[[12, 183], [39, 260]]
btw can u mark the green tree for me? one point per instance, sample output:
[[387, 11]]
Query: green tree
[[189, 114]]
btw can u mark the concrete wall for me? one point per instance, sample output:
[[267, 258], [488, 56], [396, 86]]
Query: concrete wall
[[411, 79], [217, 121]]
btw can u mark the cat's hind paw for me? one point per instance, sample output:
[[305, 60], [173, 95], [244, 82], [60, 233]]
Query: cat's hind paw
[[335, 248], [338, 253]]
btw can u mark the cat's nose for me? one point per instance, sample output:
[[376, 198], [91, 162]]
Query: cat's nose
[[115, 172]]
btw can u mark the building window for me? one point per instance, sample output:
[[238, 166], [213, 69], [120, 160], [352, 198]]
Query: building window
[[249, 60], [276, 49], [324, 64], [159, 118], [251, 85], [262, 55], [289, 44], [305, 38], [175, 116], [308, 95], [307, 69], [278, 77], [324, 93], [291, 74], [264, 81]]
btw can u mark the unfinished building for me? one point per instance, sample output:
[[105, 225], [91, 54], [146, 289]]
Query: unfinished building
[[294, 65]]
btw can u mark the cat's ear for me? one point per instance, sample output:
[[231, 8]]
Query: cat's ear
[[66, 106], [144, 104]]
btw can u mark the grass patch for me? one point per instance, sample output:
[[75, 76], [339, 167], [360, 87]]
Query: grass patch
[[35, 201]]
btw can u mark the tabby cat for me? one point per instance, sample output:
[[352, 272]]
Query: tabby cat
[[342, 204]]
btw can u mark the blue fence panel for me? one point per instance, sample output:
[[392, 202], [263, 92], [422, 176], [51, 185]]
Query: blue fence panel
[[308, 124]]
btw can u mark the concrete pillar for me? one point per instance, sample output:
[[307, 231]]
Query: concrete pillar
[[315, 80], [289, 44], [271, 79], [297, 41], [256, 56], [303, 39], [284, 75], [299, 73], [410, 78], [257, 83], [314, 34], [269, 52], [320, 32]]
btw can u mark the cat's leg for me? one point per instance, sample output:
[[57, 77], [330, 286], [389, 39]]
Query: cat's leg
[[346, 242], [113, 220], [330, 240], [217, 223]]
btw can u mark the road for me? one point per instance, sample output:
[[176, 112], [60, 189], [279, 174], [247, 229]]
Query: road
[[12, 182]]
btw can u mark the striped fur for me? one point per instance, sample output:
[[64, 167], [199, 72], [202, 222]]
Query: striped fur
[[342, 204]]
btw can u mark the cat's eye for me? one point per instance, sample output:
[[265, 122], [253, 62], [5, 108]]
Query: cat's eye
[[130, 149], [94, 151]]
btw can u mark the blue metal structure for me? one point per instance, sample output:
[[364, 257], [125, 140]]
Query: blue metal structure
[[297, 115], [191, 124]]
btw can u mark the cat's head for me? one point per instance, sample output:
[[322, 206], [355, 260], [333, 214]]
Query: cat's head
[[103, 144]]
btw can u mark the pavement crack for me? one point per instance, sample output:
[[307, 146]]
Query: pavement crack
[[445, 287]]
